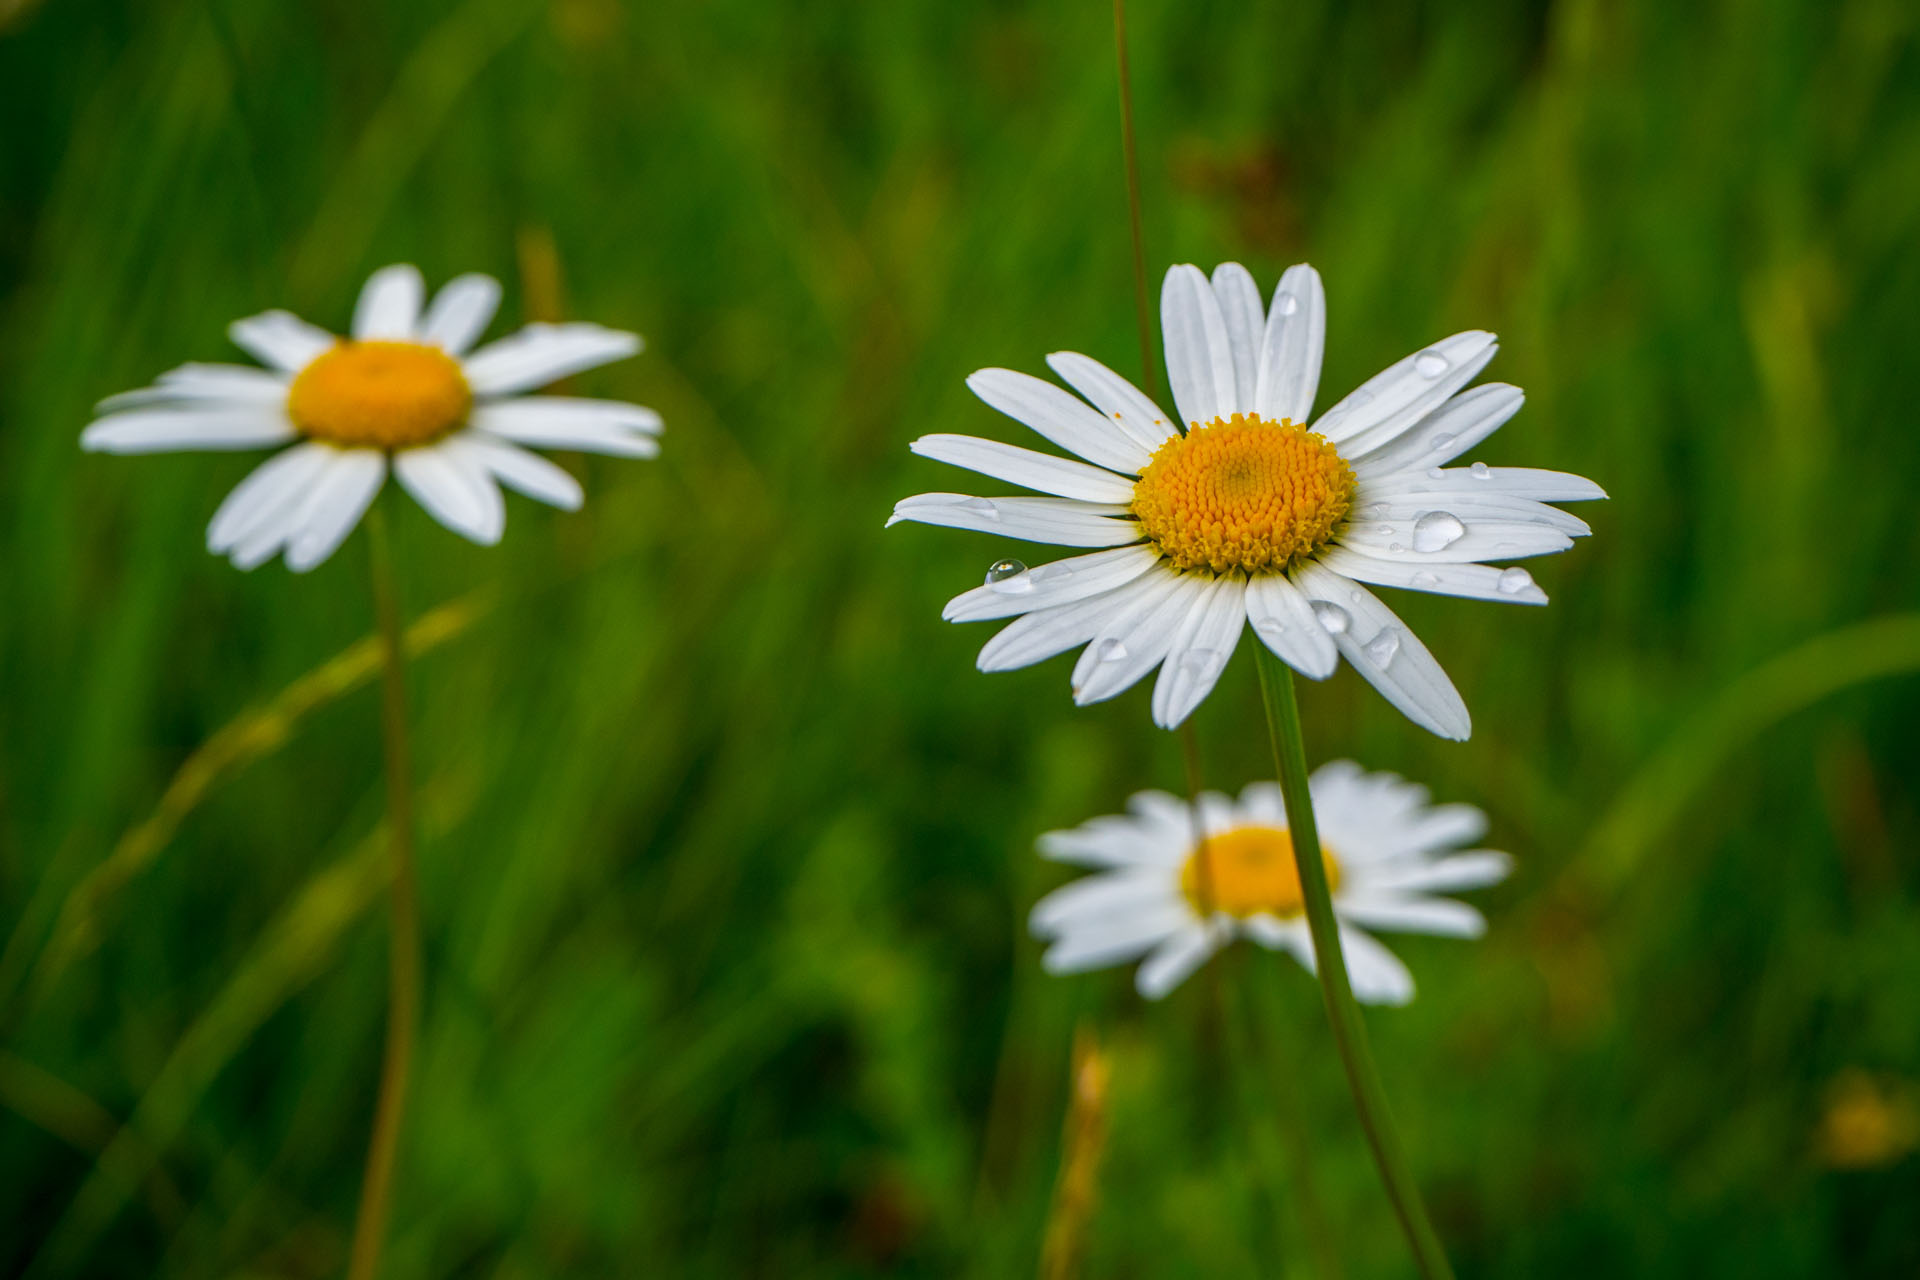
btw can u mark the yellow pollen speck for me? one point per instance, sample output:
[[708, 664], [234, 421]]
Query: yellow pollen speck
[[1249, 871], [1243, 493], [390, 395]]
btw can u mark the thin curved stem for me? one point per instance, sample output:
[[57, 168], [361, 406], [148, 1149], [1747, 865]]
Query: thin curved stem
[[403, 969], [1133, 197], [1349, 1031]]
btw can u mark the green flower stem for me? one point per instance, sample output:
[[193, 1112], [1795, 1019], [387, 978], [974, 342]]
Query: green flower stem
[[1349, 1032], [403, 1000]]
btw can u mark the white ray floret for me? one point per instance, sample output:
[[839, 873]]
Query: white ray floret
[[405, 392], [1389, 853], [1275, 528]]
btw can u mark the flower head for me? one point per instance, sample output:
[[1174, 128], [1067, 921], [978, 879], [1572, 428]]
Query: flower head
[[407, 390], [1253, 512], [1165, 893]]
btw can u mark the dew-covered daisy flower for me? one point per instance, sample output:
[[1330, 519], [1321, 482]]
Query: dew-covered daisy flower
[[1163, 893], [1247, 513], [406, 390]]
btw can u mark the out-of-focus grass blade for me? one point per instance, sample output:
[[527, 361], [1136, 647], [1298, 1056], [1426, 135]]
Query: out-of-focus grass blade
[[46, 1101], [1796, 679], [253, 735]]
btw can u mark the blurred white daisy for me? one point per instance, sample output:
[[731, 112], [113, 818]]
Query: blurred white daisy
[[405, 389], [1249, 515], [1387, 851]]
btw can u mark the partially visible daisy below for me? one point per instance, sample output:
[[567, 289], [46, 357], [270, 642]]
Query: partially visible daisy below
[[1388, 851], [1245, 513], [407, 390]]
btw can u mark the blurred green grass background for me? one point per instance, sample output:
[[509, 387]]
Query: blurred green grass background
[[727, 849]]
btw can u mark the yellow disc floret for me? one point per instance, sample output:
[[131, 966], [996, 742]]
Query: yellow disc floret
[[1243, 493], [388, 395], [1248, 871]]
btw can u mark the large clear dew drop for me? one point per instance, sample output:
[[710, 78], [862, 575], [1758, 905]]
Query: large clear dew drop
[[1436, 531], [1009, 577]]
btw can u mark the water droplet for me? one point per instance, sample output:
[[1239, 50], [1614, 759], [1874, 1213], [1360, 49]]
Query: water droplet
[[1360, 399], [1396, 546], [1332, 616], [1286, 304], [1481, 471], [1436, 531], [1200, 663], [980, 506], [1384, 645], [1374, 511], [1435, 473], [1515, 580], [1426, 581], [1111, 651], [1271, 627], [1441, 441], [1009, 577], [1431, 364]]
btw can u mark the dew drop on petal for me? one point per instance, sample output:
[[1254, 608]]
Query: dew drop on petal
[[1200, 663], [1431, 364], [1058, 571], [1272, 628], [1335, 619], [1515, 580], [1436, 531], [1481, 471], [1286, 304], [1434, 473], [1425, 581], [1111, 651], [1441, 440], [981, 507], [1009, 577], [1360, 399], [1383, 646]]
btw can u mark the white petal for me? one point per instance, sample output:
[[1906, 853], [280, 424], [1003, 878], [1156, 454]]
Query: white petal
[[1473, 870], [1475, 581], [272, 491], [1061, 521], [1381, 648], [1239, 299], [1396, 398], [1286, 624], [1199, 354], [1114, 943], [205, 386], [1510, 482], [1374, 505], [543, 353], [1060, 417], [528, 473], [455, 490], [1130, 841], [1045, 632], [1441, 827], [1291, 347], [567, 422], [1441, 916], [1063, 477], [1440, 537], [280, 340], [460, 312], [1114, 396], [1099, 896], [1376, 974], [167, 430], [339, 498], [1444, 434], [1047, 585], [1136, 638], [1174, 959], [389, 305], [1199, 652]]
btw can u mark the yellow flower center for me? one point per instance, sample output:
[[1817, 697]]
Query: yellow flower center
[[390, 395], [1249, 871], [1243, 493]]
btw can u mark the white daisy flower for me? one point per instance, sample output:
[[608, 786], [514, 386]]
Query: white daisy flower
[[1249, 515], [1387, 851], [405, 389]]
